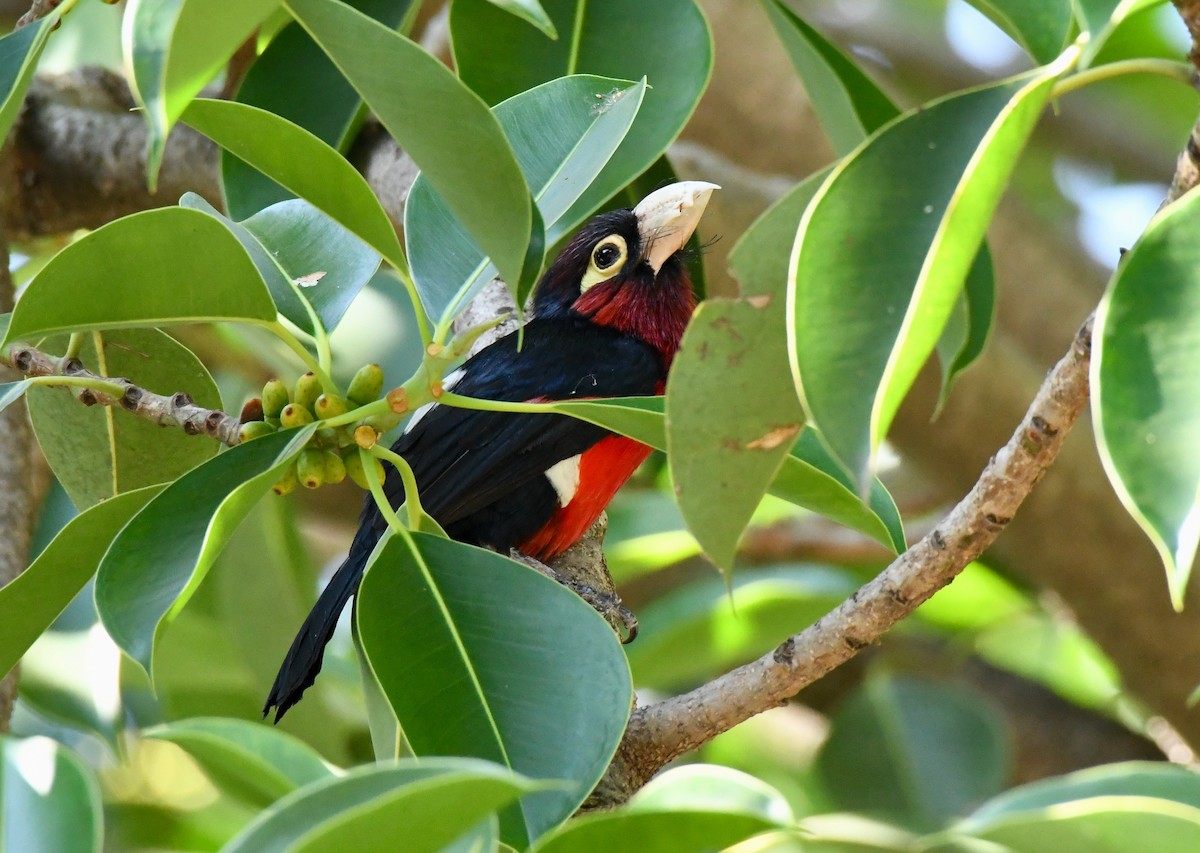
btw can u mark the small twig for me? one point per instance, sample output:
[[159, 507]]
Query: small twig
[[37, 10], [178, 410]]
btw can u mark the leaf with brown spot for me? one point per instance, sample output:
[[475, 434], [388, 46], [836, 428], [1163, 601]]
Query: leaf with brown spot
[[774, 438]]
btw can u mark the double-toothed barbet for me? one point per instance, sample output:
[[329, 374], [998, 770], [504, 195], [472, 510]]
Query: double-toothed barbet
[[606, 321]]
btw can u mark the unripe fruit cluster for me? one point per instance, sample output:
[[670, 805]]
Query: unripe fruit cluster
[[332, 454]]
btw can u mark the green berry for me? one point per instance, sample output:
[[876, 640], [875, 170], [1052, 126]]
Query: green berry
[[295, 415], [330, 406], [288, 482], [310, 467], [254, 429], [367, 384], [274, 398], [308, 389], [335, 468]]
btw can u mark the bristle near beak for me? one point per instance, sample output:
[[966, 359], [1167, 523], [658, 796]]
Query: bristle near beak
[[668, 217]]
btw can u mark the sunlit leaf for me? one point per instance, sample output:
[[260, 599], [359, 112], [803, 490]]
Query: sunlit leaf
[[653, 831], [1101, 18], [19, 54], [711, 787], [49, 801], [1041, 27]]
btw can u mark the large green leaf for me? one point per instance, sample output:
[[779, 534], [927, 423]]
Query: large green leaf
[[1101, 18], [712, 787], [1041, 27], [19, 54], [173, 48], [848, 103], [446, 129], [155, 268], [159, 558], [683, 831], [914, 751], [303, 164], [499, 56], [304, 256], [49, 801], [445, 628], [10, 392], [294, 79], [416, 806], [250, 760], [100, 451], [883, 249], [563, 133], [723, 457], [36, 597], [1145, 401]]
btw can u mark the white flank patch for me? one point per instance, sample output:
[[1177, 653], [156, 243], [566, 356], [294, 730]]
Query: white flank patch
[[448, 383], [564, 477]]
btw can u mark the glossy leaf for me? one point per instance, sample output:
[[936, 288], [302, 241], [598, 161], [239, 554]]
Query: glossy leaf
[[499, 56], [914, 751], [654, 832], [441, 625], [970, 321], [724, 456], [1040, 27], [19, 54], [427, 804], [159, 558], [173, 48], [31, 602], [1145, 403], [100, 451], [257, 763], [531, 12], [1101, 18], [446, 129], [712, 787], [589, 117], [49, 801], [303, 164], [210, 278], [849, 105], [295, 80], [933, 179], [10, 392], [303, 256], [707, 628]]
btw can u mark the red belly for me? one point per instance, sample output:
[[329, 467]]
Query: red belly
[[602, 470]]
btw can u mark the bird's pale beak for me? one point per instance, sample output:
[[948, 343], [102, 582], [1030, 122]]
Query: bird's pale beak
[[668, 216]]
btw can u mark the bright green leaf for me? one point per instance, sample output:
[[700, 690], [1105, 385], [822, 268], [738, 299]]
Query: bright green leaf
[[589, 117], [653, 832], [303, 164], [155, 564], [1041, 27], [499, 56], [1101, 18], [446, 129], [173, 48], [19, 54], [49, 800], [441, 623], [530, 11], [732, 416], [970, 321], [712, 787], [172, 266], [35, 598], [906, 212], [100, 451], [1145, 401]]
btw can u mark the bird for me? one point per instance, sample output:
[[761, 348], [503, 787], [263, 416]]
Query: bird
[[606, 320]]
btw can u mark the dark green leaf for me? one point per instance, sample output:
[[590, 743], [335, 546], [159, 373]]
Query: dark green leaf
[[499, 56], [49, 801], [19, 54], [160, 557], [164, 267], [530, 11], [100, 451], [969, 323], [760, 258], [442, 625], [1041, 27], [446, 129]]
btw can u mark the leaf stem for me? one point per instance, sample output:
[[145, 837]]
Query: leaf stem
[[112, 389], [381, 501], [293, 343], [405, 274], [74, 345], [412, 499], [1180, 71], [481, 405]]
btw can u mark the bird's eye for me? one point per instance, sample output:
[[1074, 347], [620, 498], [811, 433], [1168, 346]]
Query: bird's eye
[[607, 260]]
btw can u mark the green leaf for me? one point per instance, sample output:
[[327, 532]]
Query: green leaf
[[156, 268], [443, 627], [100, 451], [428, 804], [257, 763], [155, 564], [10, 392], [295, 80], [446, 129], [1101, 18], [531, 12], [723, 457], [173, 48], [589, 115], [969, 323], [913, 751], [712, 787], [848, 103], [1145, 405], [499, 56], [303, 164], [19, 54], [49, 800], [1040, 27], [36, 597], [905, 215], [653, 832], [709, 627], [290, 243]]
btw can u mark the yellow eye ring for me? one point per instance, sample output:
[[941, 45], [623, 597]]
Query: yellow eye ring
[[607, 259]]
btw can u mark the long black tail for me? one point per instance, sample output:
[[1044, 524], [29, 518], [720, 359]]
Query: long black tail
[[303, 662]]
